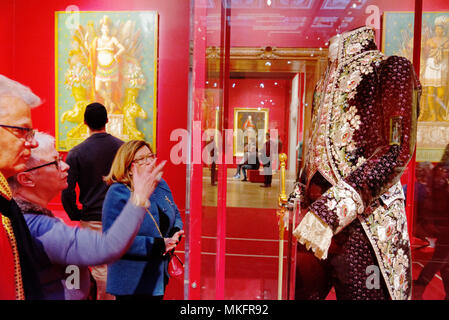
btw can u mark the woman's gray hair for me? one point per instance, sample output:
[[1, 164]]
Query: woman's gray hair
[[46, 145], [11, 88]]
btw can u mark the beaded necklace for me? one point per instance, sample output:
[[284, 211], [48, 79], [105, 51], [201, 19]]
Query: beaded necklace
[[6, 193]]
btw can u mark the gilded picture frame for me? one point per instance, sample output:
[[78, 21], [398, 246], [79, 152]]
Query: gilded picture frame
[[250, 126], [433, 120], [108, 57]]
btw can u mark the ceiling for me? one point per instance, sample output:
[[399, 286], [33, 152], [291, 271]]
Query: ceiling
[[295, 23]]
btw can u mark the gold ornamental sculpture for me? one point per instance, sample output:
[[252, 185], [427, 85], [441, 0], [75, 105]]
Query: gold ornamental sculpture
[[104, 65]]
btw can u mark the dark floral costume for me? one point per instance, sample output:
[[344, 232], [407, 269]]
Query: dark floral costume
[[363, 135]]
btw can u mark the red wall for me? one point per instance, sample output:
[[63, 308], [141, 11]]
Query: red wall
[[435, 5], [248, 93], [28, 32], [6, 37]]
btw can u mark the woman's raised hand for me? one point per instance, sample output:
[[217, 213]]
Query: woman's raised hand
[[145, 177]]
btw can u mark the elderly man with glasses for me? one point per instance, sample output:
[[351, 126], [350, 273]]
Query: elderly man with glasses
[[18, 276], [64, 253]]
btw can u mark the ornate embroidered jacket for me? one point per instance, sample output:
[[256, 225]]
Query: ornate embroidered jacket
[[363, 135]]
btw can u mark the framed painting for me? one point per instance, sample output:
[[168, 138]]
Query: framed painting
[[250, 126], [433, 120], [108, 57]]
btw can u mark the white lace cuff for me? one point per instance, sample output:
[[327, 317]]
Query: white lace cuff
[[314, 234]]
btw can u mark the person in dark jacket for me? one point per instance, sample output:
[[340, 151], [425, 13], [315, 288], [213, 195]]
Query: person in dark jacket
[[89, 162], [213, 155], [266, 159]]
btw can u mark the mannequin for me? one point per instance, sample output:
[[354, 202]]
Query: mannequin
[[354, 229], [333, 48]]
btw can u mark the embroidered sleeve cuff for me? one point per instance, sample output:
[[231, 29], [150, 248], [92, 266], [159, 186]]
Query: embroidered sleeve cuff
[[338, 206], [314, 234]]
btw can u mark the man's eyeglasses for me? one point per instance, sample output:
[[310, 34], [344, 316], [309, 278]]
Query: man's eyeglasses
[[57, 163], [21, 132], [145, 159]]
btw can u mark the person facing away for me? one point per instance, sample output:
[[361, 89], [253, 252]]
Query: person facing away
[[89, 162], [64, 253], [18, 277], [142, 272]]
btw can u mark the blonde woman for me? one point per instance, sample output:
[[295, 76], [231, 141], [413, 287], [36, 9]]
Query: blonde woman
[[142, 272]]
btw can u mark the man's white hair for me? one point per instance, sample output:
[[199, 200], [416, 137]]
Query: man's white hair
[[46, 145], [11, 88]]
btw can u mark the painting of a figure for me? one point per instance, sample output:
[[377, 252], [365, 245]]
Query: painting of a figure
[[434, 71], [104, 54], [111, 58], [434, 77], [250, 127], [433, 120]]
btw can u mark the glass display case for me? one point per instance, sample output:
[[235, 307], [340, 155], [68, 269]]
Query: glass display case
[[290, 127], [264, 59]]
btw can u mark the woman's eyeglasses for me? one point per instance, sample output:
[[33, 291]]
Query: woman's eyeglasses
[[57, 163], [20, 132], [145, 159]]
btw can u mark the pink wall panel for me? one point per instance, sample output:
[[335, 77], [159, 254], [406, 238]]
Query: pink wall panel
[[272, 94], [6, 37]]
